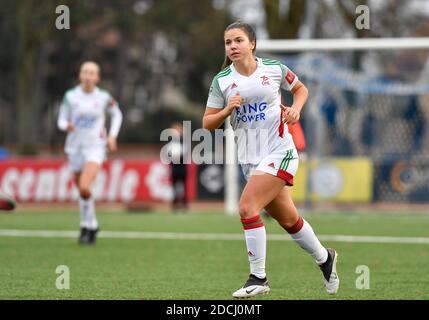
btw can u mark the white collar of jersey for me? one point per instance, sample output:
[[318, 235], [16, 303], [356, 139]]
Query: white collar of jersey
[[258, 64]]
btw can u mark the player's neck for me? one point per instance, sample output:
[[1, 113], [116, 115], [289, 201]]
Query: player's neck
[[246, 67], [88, 89]]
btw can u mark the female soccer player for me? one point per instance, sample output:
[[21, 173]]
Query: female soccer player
[[82, 116], [248, 90]]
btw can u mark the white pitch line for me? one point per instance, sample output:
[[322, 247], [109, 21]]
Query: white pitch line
[[374, 239], [205, 236]]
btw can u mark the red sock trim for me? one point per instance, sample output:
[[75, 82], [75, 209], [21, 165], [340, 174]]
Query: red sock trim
[[296, 227], [252, 223], [250, 220]]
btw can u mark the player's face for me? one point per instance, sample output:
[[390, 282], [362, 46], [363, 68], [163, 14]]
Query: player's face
[[238, 47], [89, 75]]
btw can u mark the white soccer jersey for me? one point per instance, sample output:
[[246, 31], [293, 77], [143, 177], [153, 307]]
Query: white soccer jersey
[[257, 123], [87, 113]]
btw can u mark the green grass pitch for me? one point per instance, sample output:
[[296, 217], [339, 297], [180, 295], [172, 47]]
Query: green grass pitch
[[120, 268]]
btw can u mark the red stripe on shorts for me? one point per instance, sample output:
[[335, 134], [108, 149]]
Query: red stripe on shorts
[[281, 125], [286, 176]]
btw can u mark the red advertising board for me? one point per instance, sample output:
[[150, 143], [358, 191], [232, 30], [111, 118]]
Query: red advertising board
[[45, 180]]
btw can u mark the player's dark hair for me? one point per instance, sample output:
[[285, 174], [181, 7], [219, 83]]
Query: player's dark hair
[[247, 29]]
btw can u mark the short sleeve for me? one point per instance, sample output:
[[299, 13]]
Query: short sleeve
[[216, 98], [115, 114], [289, 79], [64, 113], [66, 100], [111, 102]]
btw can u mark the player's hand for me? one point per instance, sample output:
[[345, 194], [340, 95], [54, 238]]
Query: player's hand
[[290, 115], [111, 144], [70, 127], [234, 102]]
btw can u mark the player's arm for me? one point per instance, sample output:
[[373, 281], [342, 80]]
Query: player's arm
[[216, 113], [64, 122], [214, 117], [292, 114], [115, 124], [300, 94]]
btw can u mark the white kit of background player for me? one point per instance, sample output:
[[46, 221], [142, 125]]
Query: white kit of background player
[[87, 141]]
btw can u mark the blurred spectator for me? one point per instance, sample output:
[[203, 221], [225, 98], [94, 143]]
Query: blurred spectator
[[179, 170]]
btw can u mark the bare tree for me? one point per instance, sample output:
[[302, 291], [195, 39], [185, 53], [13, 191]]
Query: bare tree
[[284, 24]]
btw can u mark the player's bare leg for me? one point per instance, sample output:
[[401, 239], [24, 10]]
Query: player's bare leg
[[87, 177], [284, 211], [89, 224], [82, 210], [259, 191]]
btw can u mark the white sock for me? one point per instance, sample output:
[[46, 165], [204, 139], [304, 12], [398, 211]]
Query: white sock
[[302, 233], [256, 243], [92, 218], [83, 209], [87, 214]]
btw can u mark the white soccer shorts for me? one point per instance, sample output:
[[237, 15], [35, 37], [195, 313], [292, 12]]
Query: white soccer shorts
[[78, 159], [281, 163]]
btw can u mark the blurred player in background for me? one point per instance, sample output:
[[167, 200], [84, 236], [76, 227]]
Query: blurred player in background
[[248, 90], [82, 116], [179, 170]]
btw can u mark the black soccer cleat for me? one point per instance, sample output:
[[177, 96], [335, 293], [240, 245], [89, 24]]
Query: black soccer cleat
[[83, 238], [252, 287], [92, 236], [329, 270]]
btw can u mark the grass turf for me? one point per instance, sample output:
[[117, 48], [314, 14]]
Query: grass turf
[[201, 269]]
